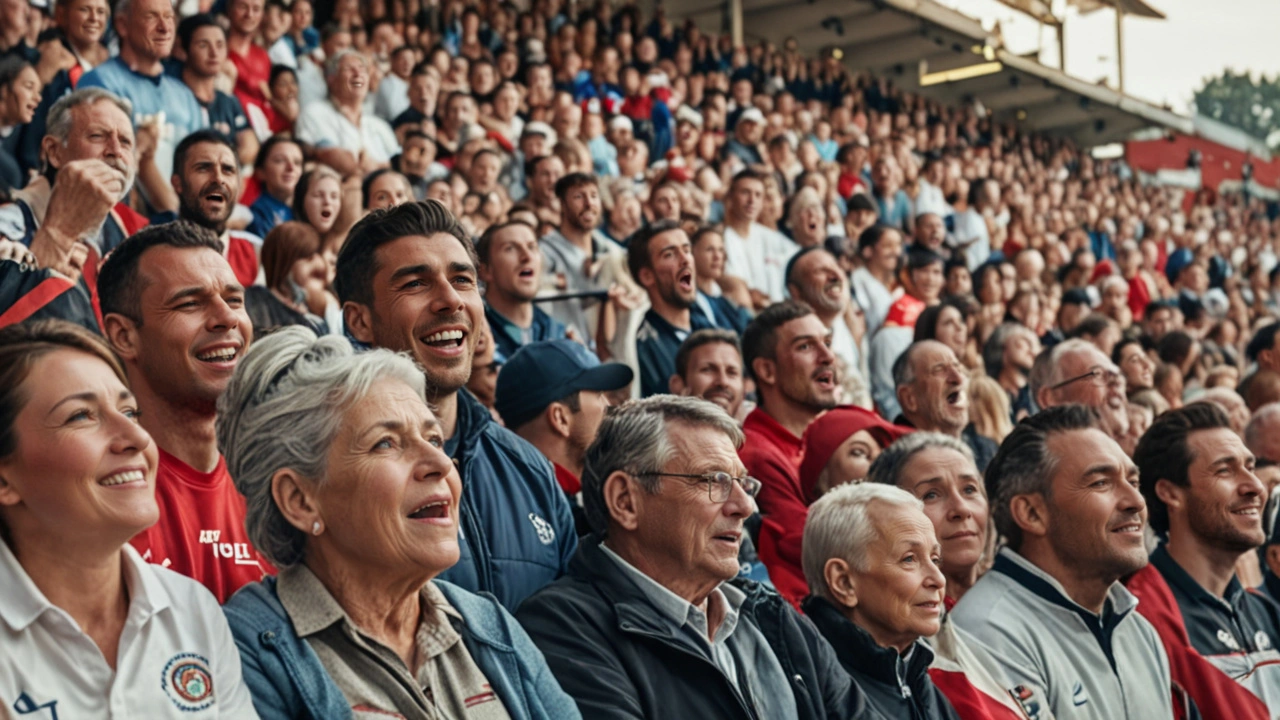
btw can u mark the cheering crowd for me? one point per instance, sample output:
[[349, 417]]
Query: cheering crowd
[[493, 360]]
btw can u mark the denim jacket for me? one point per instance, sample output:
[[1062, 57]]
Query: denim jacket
[[287, 679]]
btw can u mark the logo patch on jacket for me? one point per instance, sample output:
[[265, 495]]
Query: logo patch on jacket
[[1078, 695], [546, 533], [1026, 698], [187, 681]]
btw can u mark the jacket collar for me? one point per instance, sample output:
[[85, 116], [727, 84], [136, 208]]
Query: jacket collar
[[472, 419], [1176, 576], [762, 422], [858, 651]]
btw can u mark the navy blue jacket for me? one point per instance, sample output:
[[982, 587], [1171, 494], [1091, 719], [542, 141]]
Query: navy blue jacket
[[288, 681], [516, 530]]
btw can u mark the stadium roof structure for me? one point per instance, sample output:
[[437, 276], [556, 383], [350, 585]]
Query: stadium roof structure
[[927, 48]]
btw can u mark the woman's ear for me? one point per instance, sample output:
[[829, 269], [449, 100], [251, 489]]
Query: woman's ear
[[842, 584], [295, 498]]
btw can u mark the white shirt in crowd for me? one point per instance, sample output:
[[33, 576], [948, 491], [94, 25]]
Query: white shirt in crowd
[[931, 200], [968, 226], [176, 658], [322, 125], [760, 259], [392, 97], [873, 297]]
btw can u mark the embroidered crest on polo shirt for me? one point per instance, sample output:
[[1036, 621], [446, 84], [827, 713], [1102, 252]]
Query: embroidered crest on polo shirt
[[1228, 639], [546, 533], [1262, 640], [187, 681]]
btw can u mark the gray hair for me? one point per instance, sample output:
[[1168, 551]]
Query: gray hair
[[635, 438], [282, 409], [1024, 465], [1047, 370], [59, 120], [889, 467], [840, 526], [993, 349], [1253, 432], [333, 64]]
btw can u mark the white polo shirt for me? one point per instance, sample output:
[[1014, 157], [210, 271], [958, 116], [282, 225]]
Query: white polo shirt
[[760, 258], [323, 126], [176, 657]]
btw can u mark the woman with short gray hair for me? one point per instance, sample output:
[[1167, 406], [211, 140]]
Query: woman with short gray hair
[[939, 472], [872, 561], [350, 494]]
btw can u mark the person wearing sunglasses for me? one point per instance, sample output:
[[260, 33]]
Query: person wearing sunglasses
[[649, 620], [1081, 374]]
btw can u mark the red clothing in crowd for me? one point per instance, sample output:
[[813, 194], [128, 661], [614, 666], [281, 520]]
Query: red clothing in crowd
[[243, 258], [1139, 296], [848, 184], [253, 73], [772, 456], [201, 532], [962, 670], [1216, 695], [568, 482]]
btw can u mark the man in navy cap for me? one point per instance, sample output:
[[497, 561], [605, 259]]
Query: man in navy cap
[[554, 394]]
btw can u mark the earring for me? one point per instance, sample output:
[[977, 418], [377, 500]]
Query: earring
[[316, 527]]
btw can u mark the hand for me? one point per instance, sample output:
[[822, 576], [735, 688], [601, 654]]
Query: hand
[[759, 300], [622, 299], [17, 252], [148, 137], [83, 194], [54, 58]]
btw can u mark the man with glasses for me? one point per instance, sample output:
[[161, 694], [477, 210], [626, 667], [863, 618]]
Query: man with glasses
[[932, 391], [646, 622], [1206, 503], [1079, 373]]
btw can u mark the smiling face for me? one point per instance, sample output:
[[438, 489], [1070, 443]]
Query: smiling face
[[350, 84], [581, 207], [952, 330], [208, 185], [84, 21], [714, 373], [899, 594], [950, 486], [194, 327], [818, 279], [1224, 499], [148, 29], [685, 535], [425, 302], [514, 266], [1138, 369], [1096, 514], [20, 98], [391, 495], [1106, 396], [83, 467]]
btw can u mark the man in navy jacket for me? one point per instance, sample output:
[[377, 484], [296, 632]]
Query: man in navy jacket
[[406, 278]]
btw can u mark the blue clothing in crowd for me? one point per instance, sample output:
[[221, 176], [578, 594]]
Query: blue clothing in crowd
[[509, 337], [723, 313], [288, 680], [656, 344], [268, 212], [516, 531]]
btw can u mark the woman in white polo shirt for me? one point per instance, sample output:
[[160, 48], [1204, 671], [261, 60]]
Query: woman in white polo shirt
[[89, 629]]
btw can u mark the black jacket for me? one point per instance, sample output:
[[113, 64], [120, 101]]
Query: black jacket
[[610, 651], [875, 668]]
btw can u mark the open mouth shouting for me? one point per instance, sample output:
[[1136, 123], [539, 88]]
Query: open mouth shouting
[[956, 398], [684, 282], [825, 379], [216, 199], [435, 511]]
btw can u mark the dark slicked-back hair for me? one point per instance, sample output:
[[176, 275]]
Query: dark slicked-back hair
[[1163, 453], [1024, 465], [357, 262], [120, 288], [706, 336], [1264, 339], [198, 137], [485, 244], [573, 180], [638, 246], [760, 339]]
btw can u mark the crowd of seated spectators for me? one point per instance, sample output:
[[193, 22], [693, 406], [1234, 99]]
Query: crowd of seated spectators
[[466, 358]]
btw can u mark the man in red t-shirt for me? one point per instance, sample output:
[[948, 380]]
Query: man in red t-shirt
[[174, 312], [787, 351], [253, 65]]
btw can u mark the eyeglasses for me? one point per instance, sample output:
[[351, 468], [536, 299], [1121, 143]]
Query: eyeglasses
[[719, 484], [1101, 377]]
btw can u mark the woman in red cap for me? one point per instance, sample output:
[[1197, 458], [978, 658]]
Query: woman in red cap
[[837, 448]]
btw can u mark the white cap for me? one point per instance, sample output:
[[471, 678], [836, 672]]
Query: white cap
[[621, 122], [540, 128], [689, 115], [752, 114]]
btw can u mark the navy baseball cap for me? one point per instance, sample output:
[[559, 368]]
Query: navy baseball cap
[[541, 373]]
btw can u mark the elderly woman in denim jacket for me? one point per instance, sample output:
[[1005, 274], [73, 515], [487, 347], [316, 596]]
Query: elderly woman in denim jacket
[[350, 493]]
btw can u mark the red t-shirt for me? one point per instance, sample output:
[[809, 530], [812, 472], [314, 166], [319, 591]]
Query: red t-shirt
[[772, 455], [253, 70], [201, 531], [243, 258]]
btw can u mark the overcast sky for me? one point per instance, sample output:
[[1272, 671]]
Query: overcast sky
[[1165, 60]]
